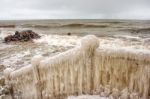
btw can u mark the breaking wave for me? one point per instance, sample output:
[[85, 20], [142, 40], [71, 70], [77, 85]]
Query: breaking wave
[[72, 25], [86, 25]]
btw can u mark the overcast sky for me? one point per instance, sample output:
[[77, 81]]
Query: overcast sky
[[72, 9]]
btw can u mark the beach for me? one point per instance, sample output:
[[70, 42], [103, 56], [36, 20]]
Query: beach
[[58, 36]]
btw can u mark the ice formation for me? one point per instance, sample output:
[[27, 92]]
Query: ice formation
[[85, 69], [87, 97]]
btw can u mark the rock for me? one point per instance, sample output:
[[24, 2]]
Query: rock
[[22, 36], [5, 90], [115, 93], [134, 96], [125, 94], [107, 91], [100, 89], [8, 38], [17, 33], [69, 33]]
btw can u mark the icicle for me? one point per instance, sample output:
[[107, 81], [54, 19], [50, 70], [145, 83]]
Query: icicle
[[37, 81], [85, 69]]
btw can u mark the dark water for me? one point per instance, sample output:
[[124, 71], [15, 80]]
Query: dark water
[[84, 27]]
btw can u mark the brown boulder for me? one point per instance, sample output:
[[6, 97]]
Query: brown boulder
[[26, 35]]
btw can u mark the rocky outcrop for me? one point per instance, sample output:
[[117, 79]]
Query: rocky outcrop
[[22, 36]]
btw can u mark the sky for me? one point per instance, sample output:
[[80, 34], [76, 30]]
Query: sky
[[74, 9]]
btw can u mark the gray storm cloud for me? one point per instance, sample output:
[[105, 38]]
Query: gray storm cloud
[[67, 9]]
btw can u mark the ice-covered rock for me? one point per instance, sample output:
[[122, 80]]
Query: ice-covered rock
[[115, 93]]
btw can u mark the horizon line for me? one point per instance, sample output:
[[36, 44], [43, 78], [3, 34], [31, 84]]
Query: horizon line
[[74, 19]]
